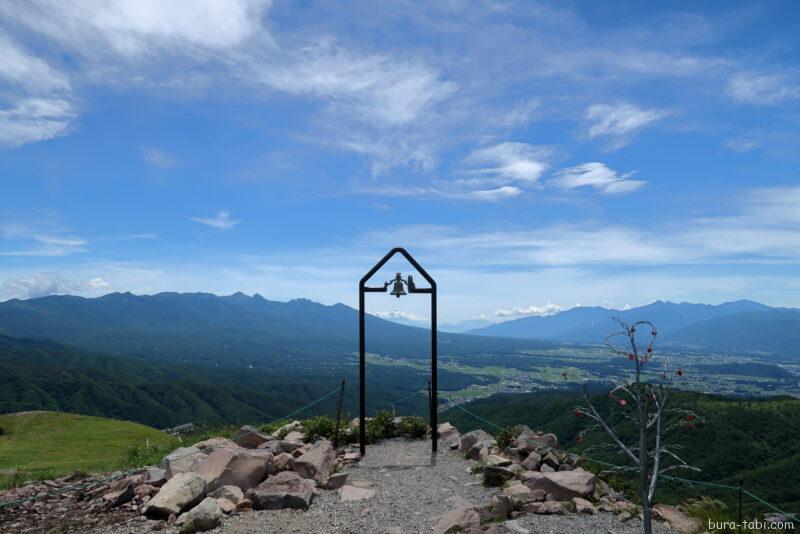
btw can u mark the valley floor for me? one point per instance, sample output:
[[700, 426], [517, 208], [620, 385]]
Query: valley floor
[[412, 490]]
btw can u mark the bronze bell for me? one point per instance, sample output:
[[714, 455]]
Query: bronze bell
[[398, 290]]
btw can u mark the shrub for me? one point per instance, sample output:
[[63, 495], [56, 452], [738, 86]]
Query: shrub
[[412, 427], [381, 426], [507, 436], [318, 427], [146, 453]]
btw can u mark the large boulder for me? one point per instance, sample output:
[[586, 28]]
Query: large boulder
[[532, 461], [181, 461], [210, 445], [284, 490], [288, 427], [232, 493], [278, 446], [480, 450], [448, 434], [495, 475], [234, 467], [464, 518], [471, 438], [250, 438], [317, 462], [564, 485], [180, 493], [530, 441], [204, 516], [677, 520]]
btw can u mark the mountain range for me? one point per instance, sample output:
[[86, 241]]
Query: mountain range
[[740, 325]]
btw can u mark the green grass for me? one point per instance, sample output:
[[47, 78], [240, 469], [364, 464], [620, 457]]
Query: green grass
[[40, 445]]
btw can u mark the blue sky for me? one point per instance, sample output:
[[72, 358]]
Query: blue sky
[[532, 155]]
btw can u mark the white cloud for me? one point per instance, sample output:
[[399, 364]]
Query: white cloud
[[222, 221], [518, 162], [158, 158], [42, 284], [40, 240], [35, 119], [541, 311], [378, 88], [597, 176], [31, 73], [741, 144], [400, 314], [492, 195], [620, 121], [100, 27], [763, 89]]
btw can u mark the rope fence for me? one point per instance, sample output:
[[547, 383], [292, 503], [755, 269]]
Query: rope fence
[[666, 477]]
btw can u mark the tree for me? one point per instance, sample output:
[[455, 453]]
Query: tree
[[643, 402]]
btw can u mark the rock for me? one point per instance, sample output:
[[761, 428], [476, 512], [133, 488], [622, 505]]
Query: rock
[[250, 438], [283, 462], [317, 462], [232, 493], [566, 467], [551, 460], [278, 446], [500, 507], [234, 467], [355, 493], [294, 437], [461, 519], [566, 484], [334, 481], [532, 461], [145, 490], [294, 426], [448, 435], [351, 456], [181, 461], [469, 439], [530, 441], [154, 476], [159, 525], [119, 497], [226, 506], [495, 460], [284, 490], [607, 507], [544, 468], [204, 516], [624, 516], [515, 527], [676, 519], [582, 506], [479, 450], [496, 475], [517, 488], [180, 493], [210, 445], [549, 507]]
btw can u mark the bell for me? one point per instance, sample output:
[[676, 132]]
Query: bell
[[398, 290]]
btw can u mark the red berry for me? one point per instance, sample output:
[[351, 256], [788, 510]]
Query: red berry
[[622, 402], [690, 426], [690, 417], [631, 357], [577, 413]]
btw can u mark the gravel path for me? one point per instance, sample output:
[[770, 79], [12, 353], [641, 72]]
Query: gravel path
[[412, 490]]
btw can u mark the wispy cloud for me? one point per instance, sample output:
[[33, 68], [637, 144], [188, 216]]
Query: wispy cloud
[[741, 144], [518, 162], [39, 240], [400, 314], [158, 158], [763, 89], [541, 311], [597, 176], [492, 195], [222, 221], [620, 121]]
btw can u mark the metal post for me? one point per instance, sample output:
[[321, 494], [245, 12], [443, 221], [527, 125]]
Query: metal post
[[339, 416], [429, 403], [434, 390], [362, 372], [740, 506]]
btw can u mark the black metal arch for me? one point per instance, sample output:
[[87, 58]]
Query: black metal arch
[[362, 290]]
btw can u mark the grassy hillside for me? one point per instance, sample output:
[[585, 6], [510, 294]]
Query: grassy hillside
[[752, 439], [59, 443]]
